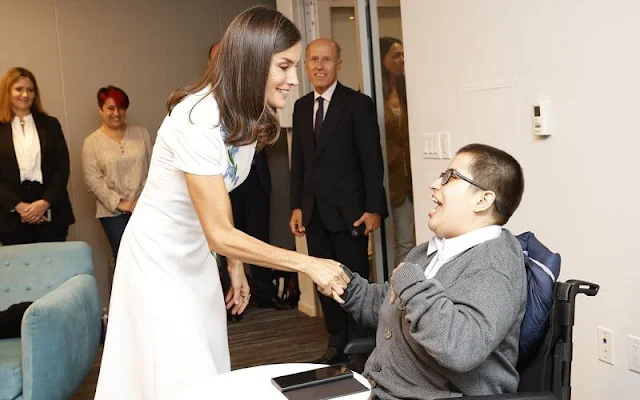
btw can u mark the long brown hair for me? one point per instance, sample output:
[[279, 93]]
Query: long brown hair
[[238, 75], [8, 80], [386, 43]]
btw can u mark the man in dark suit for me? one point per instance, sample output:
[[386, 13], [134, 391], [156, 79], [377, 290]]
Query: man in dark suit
[[336, 179], [250, 203]]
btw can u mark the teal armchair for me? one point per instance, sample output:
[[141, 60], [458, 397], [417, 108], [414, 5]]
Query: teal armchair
[[60, 331]]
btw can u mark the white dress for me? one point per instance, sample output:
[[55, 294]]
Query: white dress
[[167, 320]]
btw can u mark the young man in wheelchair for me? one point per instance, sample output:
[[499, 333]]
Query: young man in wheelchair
[[448, 322]]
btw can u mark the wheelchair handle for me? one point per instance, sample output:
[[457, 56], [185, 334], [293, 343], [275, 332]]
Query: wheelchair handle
[[588, 288]]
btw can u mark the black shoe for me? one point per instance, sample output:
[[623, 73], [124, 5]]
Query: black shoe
[[273, 302], [234, 317], [356, 363], [332, 356]]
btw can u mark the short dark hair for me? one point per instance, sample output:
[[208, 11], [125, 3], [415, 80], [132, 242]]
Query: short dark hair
[[118, 95], [238, 75], [499, 172]]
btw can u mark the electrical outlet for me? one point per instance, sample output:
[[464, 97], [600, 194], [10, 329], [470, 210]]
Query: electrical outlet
[[634, 353], [605, 345]]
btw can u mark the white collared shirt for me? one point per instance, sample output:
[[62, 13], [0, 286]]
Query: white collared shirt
[[448, 249], [26, 143], [327, 98]]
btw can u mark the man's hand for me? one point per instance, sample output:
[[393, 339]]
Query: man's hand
[[237, 298], [393, 296], [295, 223], [34, 212], [370, 220]]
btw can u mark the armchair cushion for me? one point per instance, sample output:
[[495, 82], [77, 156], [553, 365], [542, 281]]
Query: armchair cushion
[[10, 369]]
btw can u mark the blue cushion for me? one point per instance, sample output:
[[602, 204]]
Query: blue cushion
[[10, 369], [542, 268]]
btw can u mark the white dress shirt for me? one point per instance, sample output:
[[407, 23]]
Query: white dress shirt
[[448, 249], [327, 98], [26, 143]]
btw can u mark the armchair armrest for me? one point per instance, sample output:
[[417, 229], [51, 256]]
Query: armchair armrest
[[360, 346], [60, 336], [514, 396]]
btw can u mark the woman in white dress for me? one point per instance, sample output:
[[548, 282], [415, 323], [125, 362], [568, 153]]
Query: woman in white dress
[[167, 319]]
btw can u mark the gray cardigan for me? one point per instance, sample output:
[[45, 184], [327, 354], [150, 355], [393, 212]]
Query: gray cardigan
[[456, 334]]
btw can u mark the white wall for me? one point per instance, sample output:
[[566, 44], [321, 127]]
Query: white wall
[[389, 21], [147, 47], [343, 31], [581, 194]]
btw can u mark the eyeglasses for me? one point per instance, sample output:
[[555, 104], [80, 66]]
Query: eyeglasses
[[446, 175]]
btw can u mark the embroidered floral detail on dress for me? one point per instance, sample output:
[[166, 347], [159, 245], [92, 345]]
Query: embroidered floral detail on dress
[[232, 168]]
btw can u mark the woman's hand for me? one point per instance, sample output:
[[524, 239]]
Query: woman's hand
[[21, 208], [329, 276], [34, 212], [238, 296], [127, 206]]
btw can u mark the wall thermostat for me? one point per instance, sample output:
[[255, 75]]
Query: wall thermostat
[[541, 119]]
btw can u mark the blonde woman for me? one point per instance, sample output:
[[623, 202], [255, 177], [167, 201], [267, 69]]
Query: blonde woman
[[34, 166]]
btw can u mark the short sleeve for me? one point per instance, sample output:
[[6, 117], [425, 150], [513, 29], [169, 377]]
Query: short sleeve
[[199, 150]]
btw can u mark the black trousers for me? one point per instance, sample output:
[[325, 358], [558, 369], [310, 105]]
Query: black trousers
[[352, 252], [11, 320], [251, 204], [35, 233]]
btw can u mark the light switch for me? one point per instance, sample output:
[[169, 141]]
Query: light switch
[[445, 146], [431, 145]]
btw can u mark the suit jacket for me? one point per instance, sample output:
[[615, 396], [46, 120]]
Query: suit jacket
[[55, 173], [345, 163], [262, 169]]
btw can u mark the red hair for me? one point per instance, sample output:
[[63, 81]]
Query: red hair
[[118, 95]]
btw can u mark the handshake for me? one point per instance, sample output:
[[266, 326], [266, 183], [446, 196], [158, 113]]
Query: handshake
[[331, 277]]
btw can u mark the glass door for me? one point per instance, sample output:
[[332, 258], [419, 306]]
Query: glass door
[[389, 90], [382, 62]]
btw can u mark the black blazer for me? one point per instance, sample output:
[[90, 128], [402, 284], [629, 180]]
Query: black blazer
[[261, 166], [345, 163], [55, 173]]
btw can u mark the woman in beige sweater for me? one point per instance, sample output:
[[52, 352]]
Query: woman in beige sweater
[[115, 163]]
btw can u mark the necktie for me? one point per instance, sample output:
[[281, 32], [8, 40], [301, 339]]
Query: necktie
[[319, 116]]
